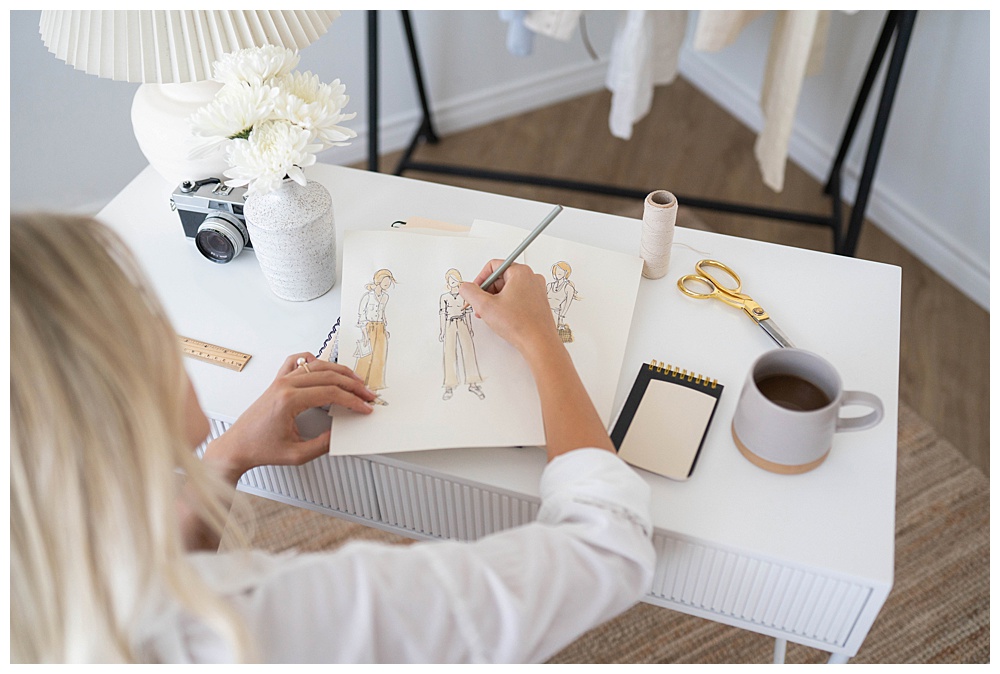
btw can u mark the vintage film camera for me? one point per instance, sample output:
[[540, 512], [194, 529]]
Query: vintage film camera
[[212, 214]]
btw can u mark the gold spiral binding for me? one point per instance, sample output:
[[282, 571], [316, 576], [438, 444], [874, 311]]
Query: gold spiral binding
[[697, 378]]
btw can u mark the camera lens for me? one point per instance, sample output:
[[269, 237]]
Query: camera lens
[[221, 237]]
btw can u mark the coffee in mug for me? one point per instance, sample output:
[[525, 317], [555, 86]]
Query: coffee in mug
[[789, 411]]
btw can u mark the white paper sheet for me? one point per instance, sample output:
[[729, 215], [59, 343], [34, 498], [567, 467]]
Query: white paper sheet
[[503, 408]]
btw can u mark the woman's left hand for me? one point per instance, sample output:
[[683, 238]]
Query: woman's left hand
[[266, 433]]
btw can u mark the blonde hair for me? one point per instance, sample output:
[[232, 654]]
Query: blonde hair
[[97, 416], [569, 270], [380, 275], [452, 273], [564, 266]]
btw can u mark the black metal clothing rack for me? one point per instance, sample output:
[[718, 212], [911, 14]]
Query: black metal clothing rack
[[896, 29]]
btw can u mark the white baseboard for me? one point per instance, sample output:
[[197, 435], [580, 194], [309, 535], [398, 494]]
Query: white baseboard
[[887, 210], [482, 107]]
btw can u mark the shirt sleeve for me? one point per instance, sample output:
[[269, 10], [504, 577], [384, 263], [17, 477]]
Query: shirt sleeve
[[519, 595], [363, 310]]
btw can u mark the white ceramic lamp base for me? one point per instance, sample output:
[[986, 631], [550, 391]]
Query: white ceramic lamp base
[[161, 116]]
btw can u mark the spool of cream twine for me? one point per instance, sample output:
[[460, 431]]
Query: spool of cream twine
[[658, 218]]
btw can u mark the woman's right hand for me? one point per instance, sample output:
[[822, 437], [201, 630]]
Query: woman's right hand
[[516, 306]]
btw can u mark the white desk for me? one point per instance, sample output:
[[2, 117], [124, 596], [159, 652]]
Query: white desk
[[805, 558]]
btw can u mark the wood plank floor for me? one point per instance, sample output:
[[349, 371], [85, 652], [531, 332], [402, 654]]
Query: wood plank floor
[[689, 145]]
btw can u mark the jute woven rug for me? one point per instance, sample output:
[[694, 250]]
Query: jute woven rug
[[938, 610]]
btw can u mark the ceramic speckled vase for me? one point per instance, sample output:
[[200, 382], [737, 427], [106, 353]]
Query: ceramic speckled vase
[[294, 239]]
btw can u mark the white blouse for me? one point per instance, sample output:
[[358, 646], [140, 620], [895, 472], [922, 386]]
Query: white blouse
[[372, 308], [518, 595]]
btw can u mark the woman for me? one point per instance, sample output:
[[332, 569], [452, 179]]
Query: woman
[[456, 335], [561, 292], [104, 419], [373, 350]]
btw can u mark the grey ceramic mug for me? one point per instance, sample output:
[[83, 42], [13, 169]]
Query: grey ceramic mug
[[789, 411]]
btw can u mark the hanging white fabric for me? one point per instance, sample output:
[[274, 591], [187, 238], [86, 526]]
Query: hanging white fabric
[[645, 51]]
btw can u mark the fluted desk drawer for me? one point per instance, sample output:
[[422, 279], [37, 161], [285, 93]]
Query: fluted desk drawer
[[753, 593]]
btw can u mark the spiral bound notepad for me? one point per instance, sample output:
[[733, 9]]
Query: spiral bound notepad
[[666, 416]]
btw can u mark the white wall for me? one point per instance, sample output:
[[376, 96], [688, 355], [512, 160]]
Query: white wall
[[931, 190], [72, 147]]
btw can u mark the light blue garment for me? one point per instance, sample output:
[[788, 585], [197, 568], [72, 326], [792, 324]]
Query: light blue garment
[[520, 39]]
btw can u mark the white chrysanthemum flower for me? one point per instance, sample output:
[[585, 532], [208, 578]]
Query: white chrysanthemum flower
[[234, 111], [316, 106], [255, 65], [270, 121], [275, 149]]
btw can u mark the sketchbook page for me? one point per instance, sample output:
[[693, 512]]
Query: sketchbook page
[[446, 379], [667, 429], [592, 293]]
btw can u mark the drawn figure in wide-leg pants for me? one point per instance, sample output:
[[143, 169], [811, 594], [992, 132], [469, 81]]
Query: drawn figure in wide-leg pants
[[373, 348], [456, 334]]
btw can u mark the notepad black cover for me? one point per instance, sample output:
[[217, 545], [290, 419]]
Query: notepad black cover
[[674, 420]]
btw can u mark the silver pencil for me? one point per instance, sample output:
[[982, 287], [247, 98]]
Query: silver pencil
[[520, 249]]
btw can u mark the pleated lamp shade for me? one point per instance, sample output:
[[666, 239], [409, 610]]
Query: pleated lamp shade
[[170, 46], [172, 53]]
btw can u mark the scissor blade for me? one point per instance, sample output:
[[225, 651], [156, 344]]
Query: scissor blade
[[776, 334]]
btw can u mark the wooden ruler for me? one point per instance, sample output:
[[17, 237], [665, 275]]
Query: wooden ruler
[[216, 355]]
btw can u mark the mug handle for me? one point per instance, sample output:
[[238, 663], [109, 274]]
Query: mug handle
[[866, 421]]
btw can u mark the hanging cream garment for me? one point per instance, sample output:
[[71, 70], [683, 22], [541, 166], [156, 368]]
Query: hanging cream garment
[[798, 43], [645, 52]]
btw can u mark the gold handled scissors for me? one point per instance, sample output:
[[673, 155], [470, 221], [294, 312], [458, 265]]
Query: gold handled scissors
[[731, 294]]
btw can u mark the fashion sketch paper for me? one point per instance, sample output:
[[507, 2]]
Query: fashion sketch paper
[[442, 377]]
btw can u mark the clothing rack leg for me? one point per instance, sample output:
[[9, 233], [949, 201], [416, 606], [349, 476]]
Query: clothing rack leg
[[373, 71], [425, 130], [833, 181], [903, 32], [874, 64], [426, 123]]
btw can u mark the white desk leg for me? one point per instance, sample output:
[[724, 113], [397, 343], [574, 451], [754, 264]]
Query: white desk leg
[[779, 651], [837, 659]]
